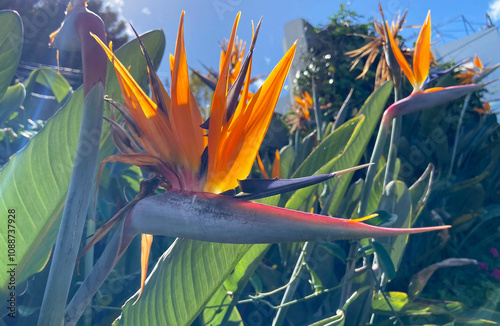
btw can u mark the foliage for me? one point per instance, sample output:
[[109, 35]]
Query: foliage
[[328, 65], [42, 17]]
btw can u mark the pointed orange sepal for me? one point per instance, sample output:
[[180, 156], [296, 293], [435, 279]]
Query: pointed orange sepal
[[400, 58], [422, 56], [276, 172], [478, 63], [262, 168], [146, 241]]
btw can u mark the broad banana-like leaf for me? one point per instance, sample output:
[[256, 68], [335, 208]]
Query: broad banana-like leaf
[[49, 156], [222, 305], [11, 45], [11, 101], [50, 79]]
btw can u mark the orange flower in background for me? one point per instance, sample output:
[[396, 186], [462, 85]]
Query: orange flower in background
[[304, 103], [478, 71], [486, 109], [300, 116], [236, 61], [168, 128]]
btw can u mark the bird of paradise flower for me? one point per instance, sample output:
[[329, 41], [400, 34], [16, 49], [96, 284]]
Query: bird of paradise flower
[[168, 127], [421, 98], [197, 163]]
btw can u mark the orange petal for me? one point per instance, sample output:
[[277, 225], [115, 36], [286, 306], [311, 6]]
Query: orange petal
[[478, 63], [218, 112], [308, 99], [186, 116], [261, 167], [152, 121], [146, 241], [276, 172], [247, 129], [400, 58], [422, 56]]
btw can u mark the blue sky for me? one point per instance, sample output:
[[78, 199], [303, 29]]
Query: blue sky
[[209, 21]]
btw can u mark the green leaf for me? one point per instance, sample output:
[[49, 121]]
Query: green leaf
[[304, 148], [35, 180], [377, 190], [184, 279], [235, 283], [287, 158], [320, 161], [385, 259], [315, 281], [397, 201], [11, 101], [49, 78], [419, 192], [371, 113], [11, 46], [349, 204], [334, 249], [218, 307], [434, 313]]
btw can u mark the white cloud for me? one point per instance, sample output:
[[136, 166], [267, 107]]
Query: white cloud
[[258, 83], [146, 11], [115, 4], [494, 10], [268, 60]]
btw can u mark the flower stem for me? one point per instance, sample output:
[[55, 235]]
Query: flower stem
[[457, 134], [306, 252], [75, 211], [363, 204], [82, 178], [393, 147], [317, 113], [100, 271]]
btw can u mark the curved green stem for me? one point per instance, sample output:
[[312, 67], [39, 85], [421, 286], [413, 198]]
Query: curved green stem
[[393, 148], [457, 134], [75, 211], [80, 189], [306, 252], [317, 112]]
